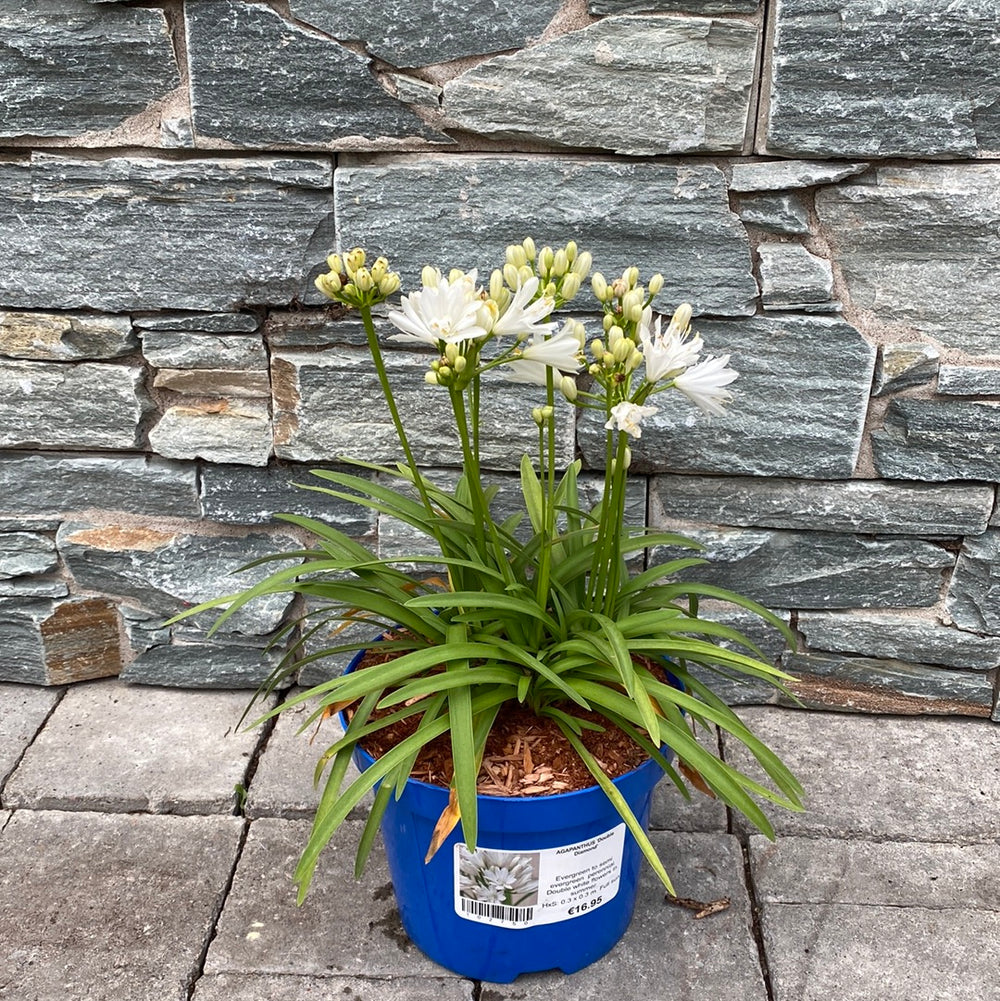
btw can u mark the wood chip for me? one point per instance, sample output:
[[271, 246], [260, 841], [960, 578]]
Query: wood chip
[[704, 909]]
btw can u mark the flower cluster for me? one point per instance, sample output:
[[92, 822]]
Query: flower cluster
[[350, 282], [497, 877]]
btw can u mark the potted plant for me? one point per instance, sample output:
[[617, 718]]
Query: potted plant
[[540, 632]]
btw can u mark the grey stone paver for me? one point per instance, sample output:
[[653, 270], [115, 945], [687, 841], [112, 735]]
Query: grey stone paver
[[111, 747], [251, 987], [884, 777], [23, 709], [103, 907], [672, 812], [345, 927], [666, 953]]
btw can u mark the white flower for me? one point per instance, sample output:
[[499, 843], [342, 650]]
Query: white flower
[[668, 353], [443, 311], [522, 316], [561, 352], [628, 416], [702, 384]]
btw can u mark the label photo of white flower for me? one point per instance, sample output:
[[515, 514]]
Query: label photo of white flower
[[496, 877]]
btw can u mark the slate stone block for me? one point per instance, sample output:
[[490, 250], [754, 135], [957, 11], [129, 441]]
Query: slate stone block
[[236, 430], [56, 643], [213, 382], [864, 684], [799, 407], [54, 79], [85, 406], [792, 278], [36, 485], [694, 75], [169, 571], [868, 506], [913, 79], [317, 414], [464, 210], [241, 495], [64, 336], [128, 749], [406, 34], [25, 553], [974, 594], [77, 888], [260, 80], [817, 569], [902, 365], [208, 323], [899, 636], [776, 175], [916, 246], [784, 213], [938, 440], [964, 380], [201, 665], [33, 587], [267, 987], [262, 213], [670, 6], [181, 349], [317, 328]]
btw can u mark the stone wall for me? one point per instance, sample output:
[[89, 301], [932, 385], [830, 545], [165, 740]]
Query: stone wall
[[820, 178]]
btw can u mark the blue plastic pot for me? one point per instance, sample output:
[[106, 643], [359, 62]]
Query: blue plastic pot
[[481, 918]]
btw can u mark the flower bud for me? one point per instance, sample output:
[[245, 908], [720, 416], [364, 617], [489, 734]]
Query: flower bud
[[496, 284], [681, 319], [389, 284], [628, 457], [631, 276], [546, 259], [444, 375], [529, 248], [583, 264], [328, 284], [451, 353], [516, 255], [431, 378], [524, 273], [615, 336], [560, 263], [633, 313], [578, 330], [571, 251], [536, 416], [599, 285], [379, 270], [350, 291], [594, 369], [455, 275], [354, 260], [618, 288], [461, 363], [430, 277], [510, 275], [607, 322], [335, 264], [570, 286], [655, 284], [597, 349], [634, 359], [550, 290], [567, 386], [363, 279], [622, 351]]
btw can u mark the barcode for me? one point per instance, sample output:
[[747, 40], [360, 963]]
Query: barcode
[[497, 912]]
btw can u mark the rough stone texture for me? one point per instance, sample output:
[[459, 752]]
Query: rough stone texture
[[237, 430], [870, 506], [98, 906], [963, 380], [916, 246], [411, 90], [818, 569], [318, 329], [51, 405], [317, 418], [902, 365], [344, 928], [670, 6], [168, 571], [40, 485], [259, 80], [64, 336], [68, 67], [792, 278], [210, 323], [251, 987], [213, 382], [694, 75], [799, 405], [913, 79], [863, 684], [33, 587], [974, 595], [112, 747], [262, 214], [902, 637], [784, 213], [283, 783], [463, 211], [26, 553], [25, 710], [884, 778], [181, 349], [243, 496], [202, 665], [770, 175], [50, 643], [407, 34], [938, 440], [714, 957]]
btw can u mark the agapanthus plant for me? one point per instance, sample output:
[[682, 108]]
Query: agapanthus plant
[[555, 618]]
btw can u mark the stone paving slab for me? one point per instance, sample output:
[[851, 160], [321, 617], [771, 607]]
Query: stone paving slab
[[892, 873], [283, 783], [23, 709], [103, 907], [239, 987], [345, 927], [861, 953], [672, 812], [112, 747], [666, 953], [884, 777]]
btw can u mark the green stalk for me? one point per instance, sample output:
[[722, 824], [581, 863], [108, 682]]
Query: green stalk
[[618, 487]]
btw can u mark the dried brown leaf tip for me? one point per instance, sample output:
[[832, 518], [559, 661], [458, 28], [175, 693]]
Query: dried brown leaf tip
[[702, 909], [695, 778]]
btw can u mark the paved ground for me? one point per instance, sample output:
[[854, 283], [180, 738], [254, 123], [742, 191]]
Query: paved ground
[[128, 874]]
